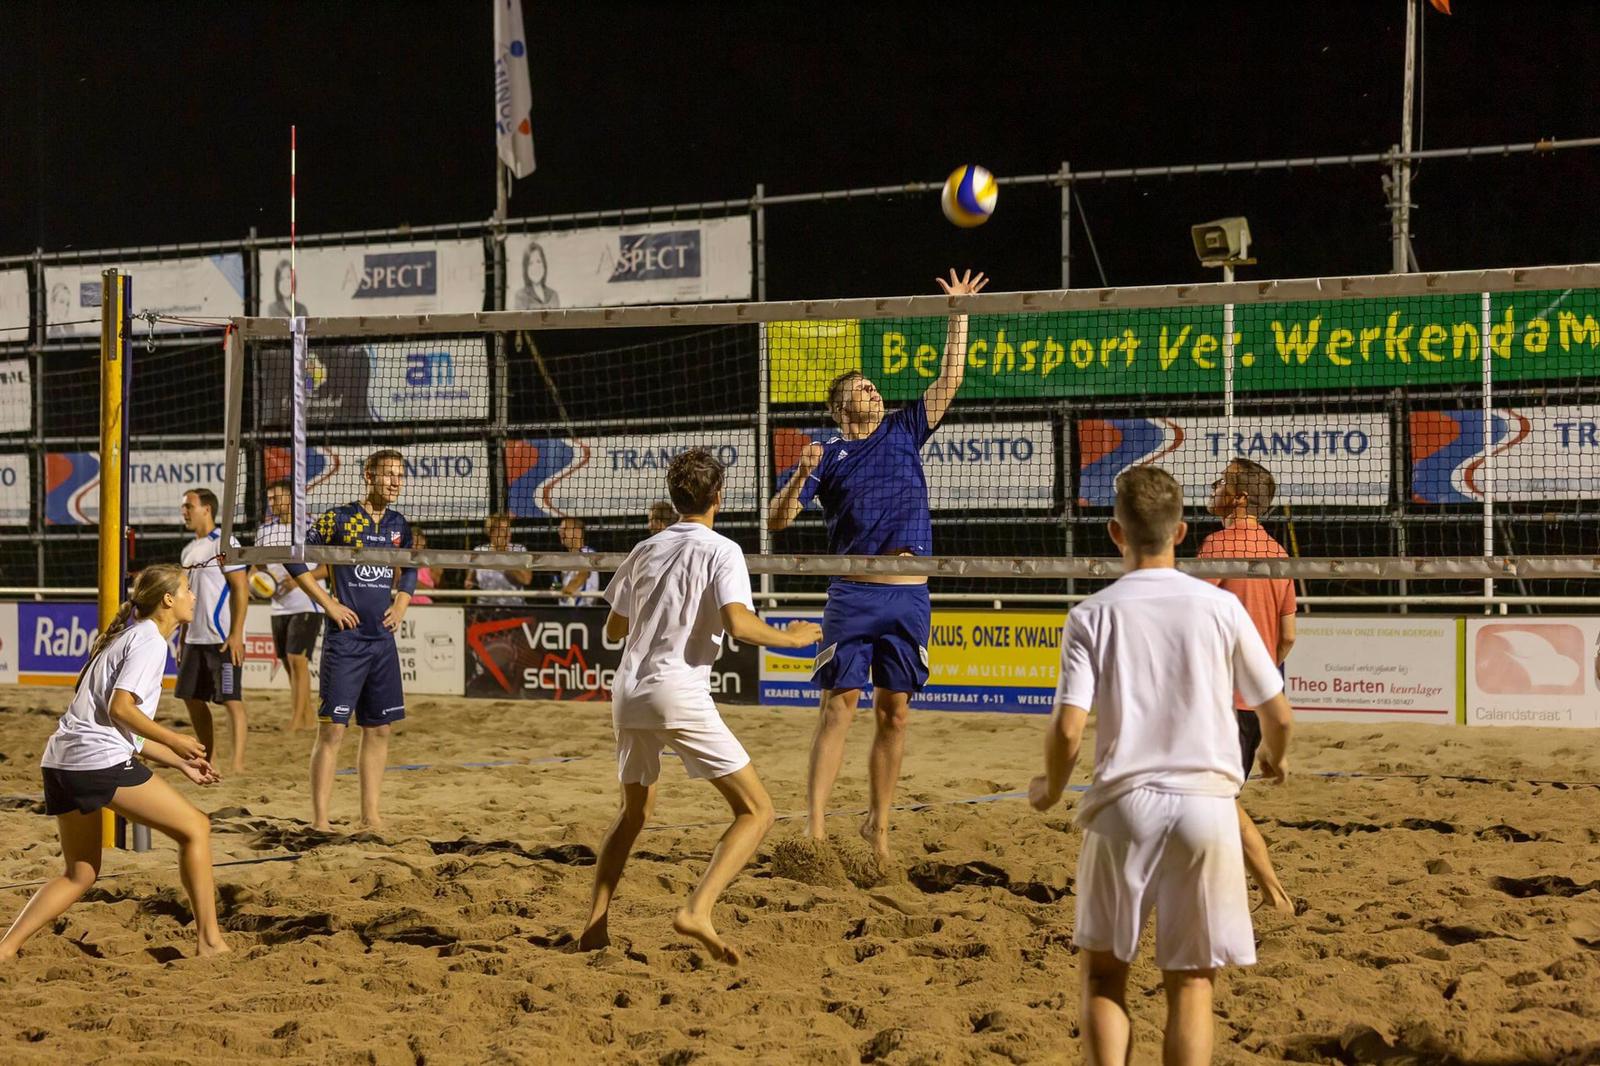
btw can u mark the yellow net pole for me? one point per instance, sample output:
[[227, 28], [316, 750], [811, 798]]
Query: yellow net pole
[[113, 365]]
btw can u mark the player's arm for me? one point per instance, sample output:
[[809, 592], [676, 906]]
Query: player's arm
[[747, 627], [197, 769], [125, 713], [953, 367], [787, 505], [616, 626], [1285, 637], [1062, 742], [405, 586], [1276, 717], [238, 604]]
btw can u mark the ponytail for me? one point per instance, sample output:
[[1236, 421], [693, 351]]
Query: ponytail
[[153, 585], [119, 622]]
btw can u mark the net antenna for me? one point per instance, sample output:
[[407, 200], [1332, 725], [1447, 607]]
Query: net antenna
[[1395, 413]]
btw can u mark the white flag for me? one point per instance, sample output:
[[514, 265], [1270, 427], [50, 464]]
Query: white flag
[[512, 98]]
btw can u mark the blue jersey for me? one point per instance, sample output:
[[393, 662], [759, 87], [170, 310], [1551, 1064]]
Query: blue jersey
[[366, 589], [873, 491]]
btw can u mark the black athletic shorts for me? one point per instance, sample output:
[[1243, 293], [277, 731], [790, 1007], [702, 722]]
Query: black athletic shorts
[[1249, 739], [204, 674], [86, 791], [295, 634]]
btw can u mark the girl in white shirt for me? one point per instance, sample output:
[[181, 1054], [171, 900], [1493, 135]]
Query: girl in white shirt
[[91, 761]]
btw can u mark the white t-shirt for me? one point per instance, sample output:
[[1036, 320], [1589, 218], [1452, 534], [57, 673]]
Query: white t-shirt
[[672, 589], [212, 616], [590, 584], [497, 579], [86, 738], [1156, 657], [290, 597]]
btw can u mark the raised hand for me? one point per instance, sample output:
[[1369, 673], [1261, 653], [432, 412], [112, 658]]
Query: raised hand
[[965, 285]]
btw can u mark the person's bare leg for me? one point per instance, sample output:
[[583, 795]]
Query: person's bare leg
[[239, 723], [300, 716], [205, 731], [324, 761], [373, 760], [80, 855], [891, 713], [1189, 1024], [159, 806], [827, 755], [1107, 1030], [637, 802], [1259, 862], [752, 819]]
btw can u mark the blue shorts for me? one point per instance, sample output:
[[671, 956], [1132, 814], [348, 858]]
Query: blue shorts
[[361, 677], [876, 633]]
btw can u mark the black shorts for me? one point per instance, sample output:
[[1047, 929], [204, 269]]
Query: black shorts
[[205, 675], [295, 634], [1249, 739], [86, 791]]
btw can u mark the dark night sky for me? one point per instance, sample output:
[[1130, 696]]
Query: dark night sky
[[127, 124]]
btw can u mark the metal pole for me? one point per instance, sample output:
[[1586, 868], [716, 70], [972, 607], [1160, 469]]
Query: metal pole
[[115, 293], [760, 256], [36, 510], [1400, 225], [1488, 442], [1066, 225]]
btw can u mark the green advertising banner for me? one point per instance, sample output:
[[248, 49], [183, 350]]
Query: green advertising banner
[[1311, 346]]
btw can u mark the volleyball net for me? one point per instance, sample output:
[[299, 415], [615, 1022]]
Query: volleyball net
[[1441, 428]]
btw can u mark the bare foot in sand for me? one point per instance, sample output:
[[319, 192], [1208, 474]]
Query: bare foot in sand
[[877, 839], [597, 936], [219, 947], [323, 826], [690, 925], [372, 825]]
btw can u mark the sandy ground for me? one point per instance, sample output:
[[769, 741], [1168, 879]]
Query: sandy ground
[[1446, 919]]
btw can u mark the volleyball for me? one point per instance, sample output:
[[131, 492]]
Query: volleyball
[[263, 584], [969, 196]]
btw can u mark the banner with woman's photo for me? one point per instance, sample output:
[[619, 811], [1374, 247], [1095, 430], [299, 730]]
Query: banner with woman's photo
[[648, 263], [204, 288], [415, 278]]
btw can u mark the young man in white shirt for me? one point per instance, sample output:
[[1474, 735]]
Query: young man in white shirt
[[1157, 656], [211, 653], [676, 598], [296, 618]]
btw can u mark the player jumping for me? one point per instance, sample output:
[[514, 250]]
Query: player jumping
[[874, 496]]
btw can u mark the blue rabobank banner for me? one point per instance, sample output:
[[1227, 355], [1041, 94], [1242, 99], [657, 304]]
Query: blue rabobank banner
[[422, 277], [596, 477], [666, 262], [54, 640]]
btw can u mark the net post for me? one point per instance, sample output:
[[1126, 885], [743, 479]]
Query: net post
[[764, 457], [297, 443], [116, 325], [232, 453], [1488, 439], [759, 258]]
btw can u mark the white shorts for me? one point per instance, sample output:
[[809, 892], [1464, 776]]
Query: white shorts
[[709, 750], [1179, 855]]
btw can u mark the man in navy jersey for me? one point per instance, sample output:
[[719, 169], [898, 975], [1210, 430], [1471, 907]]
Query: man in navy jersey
[[874, 496], [360, 672]]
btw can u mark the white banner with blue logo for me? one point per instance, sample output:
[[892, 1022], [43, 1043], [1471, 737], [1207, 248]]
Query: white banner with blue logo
[[1544, 453], [598, 477], [16, 489], [971, 466], [15, 308], [157, 480], [1325, 460], [16, 396], [444, 480], [429, 380], [416, 278], [650, 263], [209, 287]]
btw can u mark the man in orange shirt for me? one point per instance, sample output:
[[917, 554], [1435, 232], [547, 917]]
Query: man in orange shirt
[[1239, 497]]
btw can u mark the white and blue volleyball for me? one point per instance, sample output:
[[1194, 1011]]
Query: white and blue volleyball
[[969, 196]]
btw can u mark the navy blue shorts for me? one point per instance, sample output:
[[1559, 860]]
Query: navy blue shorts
[[876, 633], [361, 677]]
